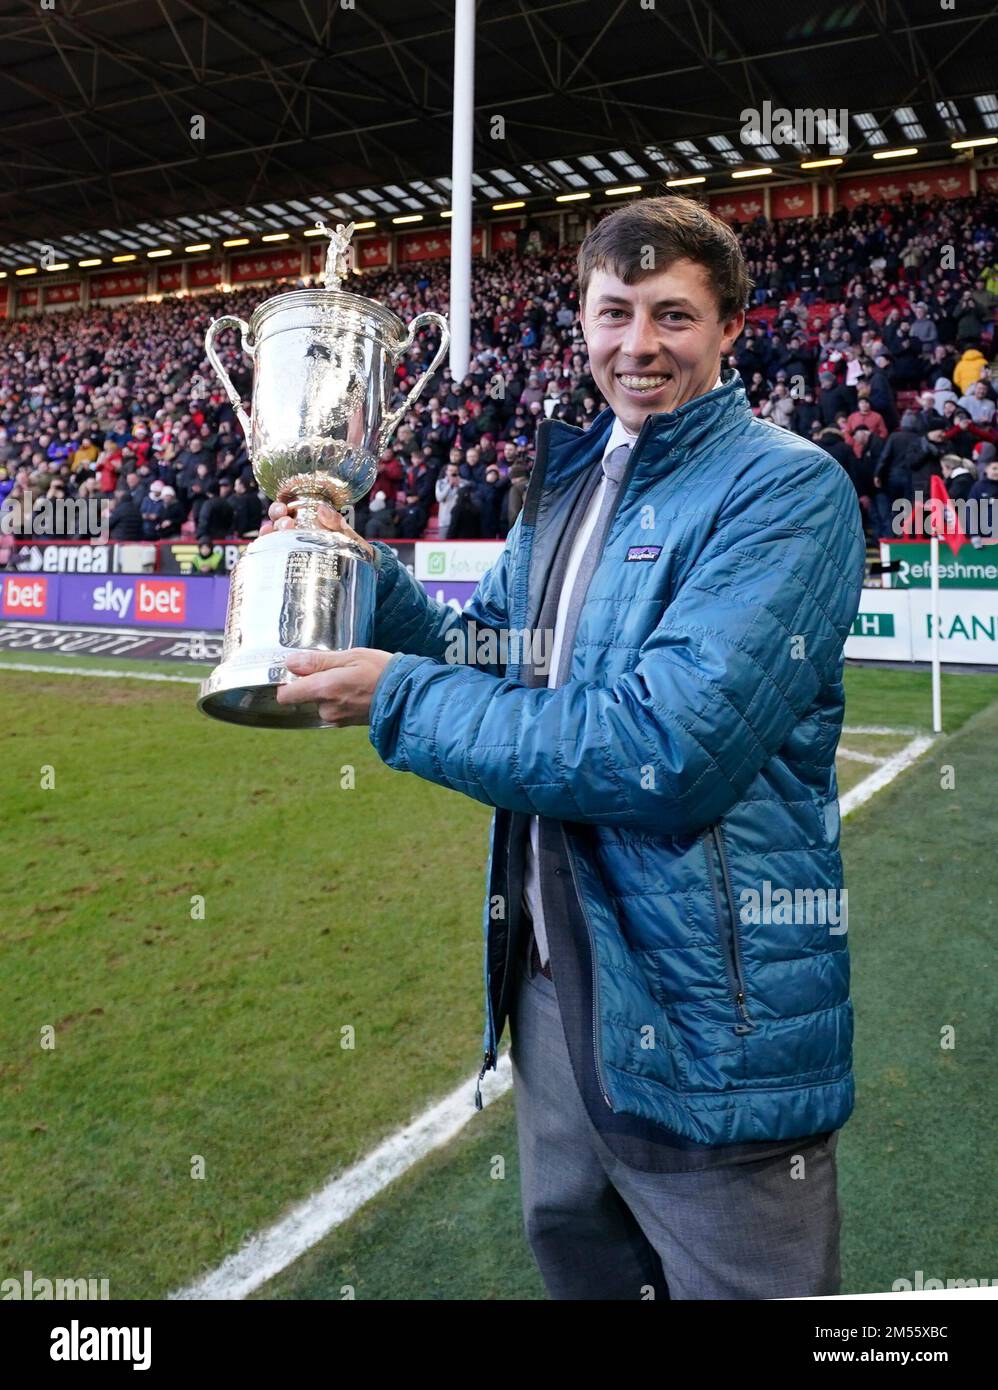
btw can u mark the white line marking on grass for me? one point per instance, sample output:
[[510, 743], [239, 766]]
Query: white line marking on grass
[[267, 1254], [95, 671], [899, 729], [893, 767], [852, 756]]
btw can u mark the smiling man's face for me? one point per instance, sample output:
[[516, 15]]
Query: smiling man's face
[[656, 344]]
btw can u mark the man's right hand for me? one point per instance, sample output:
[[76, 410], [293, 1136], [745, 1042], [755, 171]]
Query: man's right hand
[[329, 518]]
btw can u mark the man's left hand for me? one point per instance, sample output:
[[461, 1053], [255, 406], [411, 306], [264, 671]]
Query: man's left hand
[[341, 683]]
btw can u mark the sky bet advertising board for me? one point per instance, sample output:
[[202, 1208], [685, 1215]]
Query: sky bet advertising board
[[113, 600]]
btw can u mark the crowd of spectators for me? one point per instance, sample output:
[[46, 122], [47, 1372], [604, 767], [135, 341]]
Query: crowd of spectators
[[871, 332]]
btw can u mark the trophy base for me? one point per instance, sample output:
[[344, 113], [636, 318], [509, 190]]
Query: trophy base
[[292, 591], [248, 695]]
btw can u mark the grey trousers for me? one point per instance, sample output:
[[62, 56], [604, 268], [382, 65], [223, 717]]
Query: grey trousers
[[601, 1230]]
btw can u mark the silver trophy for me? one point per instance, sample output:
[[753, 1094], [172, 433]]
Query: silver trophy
[[324, 366]]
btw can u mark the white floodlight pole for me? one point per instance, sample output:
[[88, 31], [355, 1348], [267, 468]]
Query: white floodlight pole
[[461, 159]]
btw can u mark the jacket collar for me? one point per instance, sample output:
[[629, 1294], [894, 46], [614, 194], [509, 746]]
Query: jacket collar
[[683, 431]]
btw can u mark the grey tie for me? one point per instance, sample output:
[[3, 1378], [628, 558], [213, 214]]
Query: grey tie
[[614, 467]]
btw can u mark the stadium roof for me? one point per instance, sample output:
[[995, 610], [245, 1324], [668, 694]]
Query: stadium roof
[[312, 109]]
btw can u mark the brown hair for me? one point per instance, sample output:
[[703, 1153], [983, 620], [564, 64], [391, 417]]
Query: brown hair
[[670, 228]]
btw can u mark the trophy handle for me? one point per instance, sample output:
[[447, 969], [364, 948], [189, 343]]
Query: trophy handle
[[226, 321], [390, 424]]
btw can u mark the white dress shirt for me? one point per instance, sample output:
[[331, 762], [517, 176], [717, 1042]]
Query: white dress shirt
[[531, 875]]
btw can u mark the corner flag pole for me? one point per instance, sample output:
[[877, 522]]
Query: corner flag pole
[[937, 699], [462, 145]]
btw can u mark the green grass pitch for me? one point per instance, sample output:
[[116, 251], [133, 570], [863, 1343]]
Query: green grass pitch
[[338, 895]]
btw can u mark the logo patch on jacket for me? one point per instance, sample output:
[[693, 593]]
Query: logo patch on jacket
[[644, 552]]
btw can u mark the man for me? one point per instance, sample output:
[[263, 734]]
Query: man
[[511, 454], [864, 415], [215, 518], [200, 492], [923, 330], [172, 516], [905, 455], [519, 476], [188, 465], [109, 466], [834, 399], [984, 493], [867, 449], [473, 469], [985, 300], [959, 479], [978, 403], [247, 512], [421, 481], [447, 489], [908, 365], [490, 497], [669, 750], [85, 455], [926, 416], [152, 508], [779, 406], [969, 324], [382, 520], [835, 443], [881, 390], [983, 454], [944, 361], [412, 517], [962, 436], [806, 414]]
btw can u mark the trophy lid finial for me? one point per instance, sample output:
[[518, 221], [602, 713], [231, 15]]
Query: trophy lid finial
[[337, 256]]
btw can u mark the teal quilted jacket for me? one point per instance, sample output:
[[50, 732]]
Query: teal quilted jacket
[[685, 772]]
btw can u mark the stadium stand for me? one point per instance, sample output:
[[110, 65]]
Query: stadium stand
[[870, 330]]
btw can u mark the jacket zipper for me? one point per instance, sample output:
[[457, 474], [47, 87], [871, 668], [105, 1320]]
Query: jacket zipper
[[490, 1061], [597, 1045], [713, 841], [530, 511], [490, 1056], [732, 961]]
